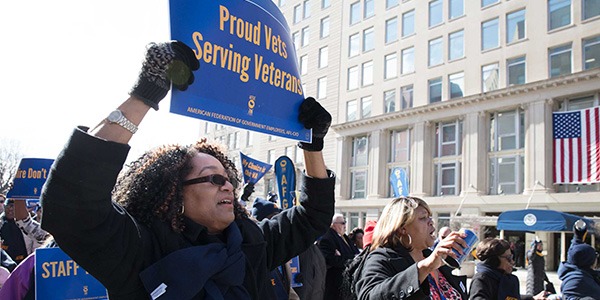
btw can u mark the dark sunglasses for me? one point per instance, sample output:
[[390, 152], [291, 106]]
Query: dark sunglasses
[[215, 179], [508, 257]]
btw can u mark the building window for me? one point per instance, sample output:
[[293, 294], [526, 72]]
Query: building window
[[354, 45], [297, 14], [559, 13], [408, 23], [399, 154], [305, 36], [324, 27], [435, 12], [353, 78], [456, 45], [367, 73], [560, 60], [515, 70], [272, 138], [457, 85], [270, 185], [365, 107], [485, 3], [323, 57], [233, 140], [249, 138], [457, 9], [289, 152], [408, 60], [389, 101], [369, 8], [391, 30], [368, 39], [489, 77], [354, 13], [591, 8], [507, 143], [325, 3], [435, 90], [390, 3], [447, 178], [322, 88], [591, 53], [281, 3], [351, 109], [271, 156], [436, 52], [489, 34], [515, 26], [303, 64], [360, 159], [306, 11], [296, 39], [406, 97], [391, 66], [448, 139]]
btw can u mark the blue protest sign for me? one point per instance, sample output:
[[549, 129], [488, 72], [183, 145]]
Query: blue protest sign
[[57, 276], [31, 176], [399, 182], [252, 169], [248, 76]]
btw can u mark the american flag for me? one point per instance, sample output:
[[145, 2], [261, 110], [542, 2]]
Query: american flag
[[576, 143]]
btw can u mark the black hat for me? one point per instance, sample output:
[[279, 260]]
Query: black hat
[[262, 208], [581, 255]]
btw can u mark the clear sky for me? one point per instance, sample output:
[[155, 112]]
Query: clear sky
[[70, 62]]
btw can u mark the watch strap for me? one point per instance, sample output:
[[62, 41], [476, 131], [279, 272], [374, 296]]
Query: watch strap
[[124, 122]]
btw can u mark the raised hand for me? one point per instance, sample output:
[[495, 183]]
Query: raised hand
[[316, 117]]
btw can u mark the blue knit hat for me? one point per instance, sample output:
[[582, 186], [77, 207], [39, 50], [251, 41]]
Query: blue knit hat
[[263, 208], [581, 255]]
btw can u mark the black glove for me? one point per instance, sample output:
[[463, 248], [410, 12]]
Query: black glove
[[248, 190], [165, 63], [314, 116]]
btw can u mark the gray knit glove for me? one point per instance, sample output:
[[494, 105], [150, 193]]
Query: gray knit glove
[[165, 63]]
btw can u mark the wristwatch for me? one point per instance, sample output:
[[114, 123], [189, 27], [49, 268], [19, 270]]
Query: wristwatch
[[117, 117]]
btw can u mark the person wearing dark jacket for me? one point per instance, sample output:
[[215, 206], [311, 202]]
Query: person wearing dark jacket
[[338, 250], [401, 264], [579, 279], [494, 279], [536, 273], [175, 229]]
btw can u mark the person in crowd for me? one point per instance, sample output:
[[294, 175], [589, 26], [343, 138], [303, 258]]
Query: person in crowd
[[368, 237], [2, 201], [494, 279], [578, 275], [281, 276], [30, 227], [14, 242], [338, 251], [536, 273], [175, 228], [248, 190], [313, 271], [519, 253], [356, 236], [401, 264]]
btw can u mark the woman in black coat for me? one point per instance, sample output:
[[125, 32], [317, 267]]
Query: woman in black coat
[[535, 269], [400, 264]]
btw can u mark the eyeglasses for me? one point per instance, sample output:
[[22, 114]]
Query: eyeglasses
[[215, 179], [508, 257], [343, 223]]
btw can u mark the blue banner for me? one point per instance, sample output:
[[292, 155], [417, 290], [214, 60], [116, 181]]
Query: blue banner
[[285, 173], [31, 176], [399, 182], [253, 170], [57, 276], [248, 76]]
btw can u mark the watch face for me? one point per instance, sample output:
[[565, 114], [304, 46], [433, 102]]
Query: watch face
[[114, 116]]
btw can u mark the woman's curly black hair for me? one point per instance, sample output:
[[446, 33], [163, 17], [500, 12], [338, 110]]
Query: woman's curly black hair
[[151, 187]]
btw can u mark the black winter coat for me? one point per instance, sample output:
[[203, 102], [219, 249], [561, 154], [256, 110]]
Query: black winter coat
[[112, 246]]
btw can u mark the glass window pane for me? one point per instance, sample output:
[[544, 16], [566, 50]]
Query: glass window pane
[[369, 8], [489, 77], [489, 34], [325, 3], [306, 9], [457, 8], [365, 111], [516, 70], [322, 88], [457, 85], [305, 36], [406, 95], [303, 64], [359, 184], [408, 60], [367, 73], [436, 52], [368, 39], [351, 109], [485, 3], [560, 60], [297, 14], [354, 45], [515, 26], [591, 52], [408, 23], [559, 12], [354, 13], [400, 146], [353, 78], [389, 101], [390, 3], [435, 12], [324, 27], [591, 8], [360, 151], [457, 45], [435, 90], [391, 66], [323, 57], [391, 30]]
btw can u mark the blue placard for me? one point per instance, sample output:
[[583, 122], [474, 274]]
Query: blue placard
[[57, 276], [399, 182], [31, 176], [252, 169], [248, 76], [285, 173]]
